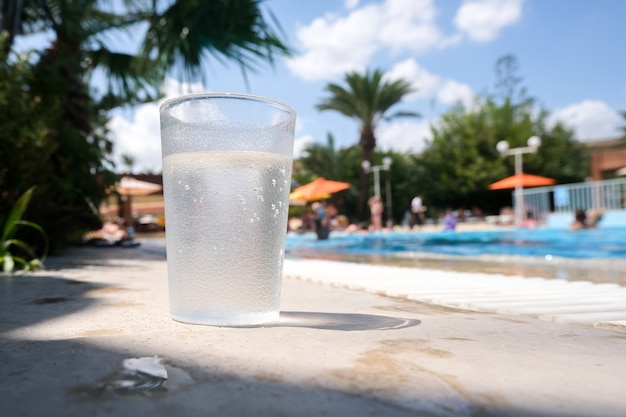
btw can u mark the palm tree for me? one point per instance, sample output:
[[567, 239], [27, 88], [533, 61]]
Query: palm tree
[[367, 99]]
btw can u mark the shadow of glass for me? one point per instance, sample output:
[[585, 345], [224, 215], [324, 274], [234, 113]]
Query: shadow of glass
[[341, 321]]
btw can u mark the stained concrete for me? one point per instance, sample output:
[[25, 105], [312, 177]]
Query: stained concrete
[[65, 332]]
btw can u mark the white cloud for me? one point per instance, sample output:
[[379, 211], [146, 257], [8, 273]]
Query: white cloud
[[428, 85], [482, 20], [423, 82], [408, 25], [452, 92], [335, 45], [174, 88], [590, 120], [140, 136], [300, 143], [404, 136]]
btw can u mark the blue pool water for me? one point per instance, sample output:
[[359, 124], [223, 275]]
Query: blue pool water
[[545, 243]]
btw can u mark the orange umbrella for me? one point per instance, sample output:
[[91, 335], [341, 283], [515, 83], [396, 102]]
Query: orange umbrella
[[316, 190], [522, 180]]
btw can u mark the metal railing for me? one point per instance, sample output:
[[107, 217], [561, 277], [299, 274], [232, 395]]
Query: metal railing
[[593, 195]]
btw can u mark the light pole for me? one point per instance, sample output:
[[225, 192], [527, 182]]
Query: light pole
[[503, 147], [368, 168]]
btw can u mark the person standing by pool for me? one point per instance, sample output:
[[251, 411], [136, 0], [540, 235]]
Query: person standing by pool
[[376, 210], [417, 211], [322, 229], [331, 213]]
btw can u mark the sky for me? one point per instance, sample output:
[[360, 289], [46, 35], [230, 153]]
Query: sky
[[570, 56]]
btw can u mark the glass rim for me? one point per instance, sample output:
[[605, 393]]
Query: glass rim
[[252, 97]]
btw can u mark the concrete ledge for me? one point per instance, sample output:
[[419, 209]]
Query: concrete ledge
[[65, 333]]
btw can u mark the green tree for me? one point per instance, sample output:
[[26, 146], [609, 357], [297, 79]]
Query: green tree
[[25, 150], [461, 161], [321, 160], [367, 99]]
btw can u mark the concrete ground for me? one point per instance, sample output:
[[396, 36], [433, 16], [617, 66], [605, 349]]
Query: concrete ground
[[67, 333]]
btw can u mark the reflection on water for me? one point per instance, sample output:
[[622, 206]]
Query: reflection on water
[[583, 244], [597, 255]]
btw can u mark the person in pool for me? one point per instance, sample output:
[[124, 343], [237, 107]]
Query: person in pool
[[580, 220], [449, 220]]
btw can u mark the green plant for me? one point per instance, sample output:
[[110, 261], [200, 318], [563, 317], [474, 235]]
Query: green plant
[[15, 253]]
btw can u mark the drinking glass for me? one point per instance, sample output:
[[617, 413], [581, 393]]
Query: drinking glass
[[226, 180]]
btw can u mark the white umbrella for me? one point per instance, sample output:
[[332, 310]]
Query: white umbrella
[[132, 186], [129, 187]]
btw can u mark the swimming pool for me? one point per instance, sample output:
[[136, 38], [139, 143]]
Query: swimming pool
[[543, 243], [597, 255]]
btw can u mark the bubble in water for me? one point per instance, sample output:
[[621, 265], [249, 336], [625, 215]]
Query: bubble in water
[[273, 206], [274, 182], [186, 186]]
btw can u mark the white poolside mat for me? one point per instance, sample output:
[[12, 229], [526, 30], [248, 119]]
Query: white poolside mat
[[578, 302]]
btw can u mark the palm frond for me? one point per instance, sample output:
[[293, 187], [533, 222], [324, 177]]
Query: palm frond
[[126, 75], [190, 32], [366, 97]]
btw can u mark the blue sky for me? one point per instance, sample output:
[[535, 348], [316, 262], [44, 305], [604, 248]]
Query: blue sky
[[570, 54]]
